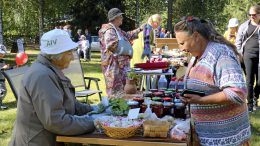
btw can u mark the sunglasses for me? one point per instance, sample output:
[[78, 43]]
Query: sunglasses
[[253, 15]]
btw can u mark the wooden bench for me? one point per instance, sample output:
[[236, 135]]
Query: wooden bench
[[170, 42]]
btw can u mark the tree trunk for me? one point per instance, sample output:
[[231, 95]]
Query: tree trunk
[[137, 13], [1, 23], [41, 17], [169, 20]]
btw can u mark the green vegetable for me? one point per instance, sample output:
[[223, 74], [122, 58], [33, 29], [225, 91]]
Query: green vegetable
[[119, 106]]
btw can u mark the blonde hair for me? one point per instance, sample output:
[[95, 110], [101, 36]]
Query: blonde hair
[[155, 18]]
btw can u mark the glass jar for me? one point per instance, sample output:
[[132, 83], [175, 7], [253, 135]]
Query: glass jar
[[133, 104], [140, 100], [168, 108], [147, 94], [158, 109], [179, 110], [143, 108]]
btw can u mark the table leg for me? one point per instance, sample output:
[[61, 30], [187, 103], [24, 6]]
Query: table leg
[[148, 82], [142, 83], [59, 144]]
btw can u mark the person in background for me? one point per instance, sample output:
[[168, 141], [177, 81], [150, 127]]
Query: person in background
[[3, 66], [114, 67], [162, 33], [47, 105], [78, 35], [67, 28], [88, 38], [231, 33], [221, 116], [83, 47], [248, 45], [144, 45], [168, 34]]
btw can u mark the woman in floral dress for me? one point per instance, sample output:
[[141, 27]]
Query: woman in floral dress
[[114, 67]]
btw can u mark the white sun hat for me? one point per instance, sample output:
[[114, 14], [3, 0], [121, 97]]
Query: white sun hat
[[56, 41], [233, 22]]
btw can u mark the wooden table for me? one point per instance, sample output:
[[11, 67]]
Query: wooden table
[[102, 139]]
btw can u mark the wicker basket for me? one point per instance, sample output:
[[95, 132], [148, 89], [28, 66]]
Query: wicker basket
[[156, 128], [117, 132]]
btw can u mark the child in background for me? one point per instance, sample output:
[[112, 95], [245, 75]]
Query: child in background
[[231, 33], [3, 66]]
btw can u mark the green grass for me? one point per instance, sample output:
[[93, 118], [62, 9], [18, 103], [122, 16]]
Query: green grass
[[92, 69]]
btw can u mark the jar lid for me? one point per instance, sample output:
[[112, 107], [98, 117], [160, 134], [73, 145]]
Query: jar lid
[[167, 99], [158, 93], [138, 98], [153, 90], [167, 104], [132, 102], [156, 98]]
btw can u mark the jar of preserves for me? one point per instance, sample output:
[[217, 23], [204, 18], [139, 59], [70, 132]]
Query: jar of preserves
[[133, 104], [168, 108], [158, 109], [140, 100]]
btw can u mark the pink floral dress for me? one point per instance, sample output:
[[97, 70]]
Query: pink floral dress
[[114, 67]]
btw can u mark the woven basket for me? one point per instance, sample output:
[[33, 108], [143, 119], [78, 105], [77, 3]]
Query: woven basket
[[156, 128], [117, 132]]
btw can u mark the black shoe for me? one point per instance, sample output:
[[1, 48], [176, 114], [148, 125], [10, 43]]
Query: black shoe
[[250, 108]]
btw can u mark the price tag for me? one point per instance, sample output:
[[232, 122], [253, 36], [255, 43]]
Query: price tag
[[133, 113]]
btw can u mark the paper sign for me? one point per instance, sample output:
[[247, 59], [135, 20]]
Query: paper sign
[[133, 113]]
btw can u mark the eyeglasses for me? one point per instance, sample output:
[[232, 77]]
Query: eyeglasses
[[253, 15]]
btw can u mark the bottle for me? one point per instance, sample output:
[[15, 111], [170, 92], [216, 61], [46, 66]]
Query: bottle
[[162, 83], [180, 85], [173, 83]]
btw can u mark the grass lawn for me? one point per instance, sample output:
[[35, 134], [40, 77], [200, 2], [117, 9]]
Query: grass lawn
[[93, 69]]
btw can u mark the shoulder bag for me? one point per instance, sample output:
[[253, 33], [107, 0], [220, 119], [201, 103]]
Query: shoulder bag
[[124, 46]]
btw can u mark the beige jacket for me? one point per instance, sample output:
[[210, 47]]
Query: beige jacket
[[47, 107]]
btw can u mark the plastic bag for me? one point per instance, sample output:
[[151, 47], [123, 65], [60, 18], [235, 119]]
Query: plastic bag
[[178, 134]]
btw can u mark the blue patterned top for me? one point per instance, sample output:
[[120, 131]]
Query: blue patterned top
[[218, 70]]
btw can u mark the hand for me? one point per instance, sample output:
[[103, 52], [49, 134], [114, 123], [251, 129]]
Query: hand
[[7, 66], [191, 98], [141, 27]]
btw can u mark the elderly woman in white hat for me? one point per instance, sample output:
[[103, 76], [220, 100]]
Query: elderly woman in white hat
[[231, 33], [47, 105]]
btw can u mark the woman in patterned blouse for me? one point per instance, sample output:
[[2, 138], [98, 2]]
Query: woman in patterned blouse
[[221, 116]]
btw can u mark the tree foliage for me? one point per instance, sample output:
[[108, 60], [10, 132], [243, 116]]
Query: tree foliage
[[22, 17]]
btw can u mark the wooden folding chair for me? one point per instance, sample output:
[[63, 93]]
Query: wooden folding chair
[[14, 78], [75, 73]]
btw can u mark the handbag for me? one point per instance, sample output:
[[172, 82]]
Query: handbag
[[124, 47]]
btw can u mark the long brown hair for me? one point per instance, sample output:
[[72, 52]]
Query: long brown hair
[[205, 28]]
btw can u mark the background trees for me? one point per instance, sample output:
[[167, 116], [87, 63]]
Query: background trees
[[30, 18]]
